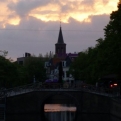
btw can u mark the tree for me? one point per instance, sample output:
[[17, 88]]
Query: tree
[[8, 73], [35, 68], [105, 57], [113, 29], [113, 40], [3, 53]]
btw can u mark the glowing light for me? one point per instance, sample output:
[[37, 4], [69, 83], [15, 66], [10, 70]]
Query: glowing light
[[111, 85], [14, 21], [115, 84]]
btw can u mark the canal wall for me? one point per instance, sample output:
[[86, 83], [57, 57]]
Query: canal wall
[[90, 106], [115, 108], [95, 107]]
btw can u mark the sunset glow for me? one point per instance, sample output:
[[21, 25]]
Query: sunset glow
[[14, 21], [58, 107], [8, 16], [75, 9], [28, 25], [54, 10]]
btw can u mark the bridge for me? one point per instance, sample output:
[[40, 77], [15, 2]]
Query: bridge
[[27, 102]]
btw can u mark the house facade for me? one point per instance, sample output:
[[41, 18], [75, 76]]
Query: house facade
[[52, 66], [21, 60]]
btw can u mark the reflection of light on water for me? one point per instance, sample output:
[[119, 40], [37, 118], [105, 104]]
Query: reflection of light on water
[[59, 107], [60, 112]]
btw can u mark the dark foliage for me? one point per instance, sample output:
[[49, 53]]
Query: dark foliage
[[105, 57]]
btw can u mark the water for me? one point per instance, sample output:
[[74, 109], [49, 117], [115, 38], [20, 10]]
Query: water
[[60, 112], [67, 112]]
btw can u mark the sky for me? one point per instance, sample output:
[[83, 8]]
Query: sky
[[33, 25]]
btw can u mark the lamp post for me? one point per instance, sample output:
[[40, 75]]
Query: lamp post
[[34, 79]]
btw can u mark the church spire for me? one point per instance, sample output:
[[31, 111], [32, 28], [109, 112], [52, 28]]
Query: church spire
[[60, 37], [60, 46]]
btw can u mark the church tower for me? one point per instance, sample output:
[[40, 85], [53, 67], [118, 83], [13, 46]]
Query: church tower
[[60, 46]]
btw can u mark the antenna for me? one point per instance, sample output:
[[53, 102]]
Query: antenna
[[60, 20]]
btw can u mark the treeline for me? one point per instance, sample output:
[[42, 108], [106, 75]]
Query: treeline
[[105, 57], [12, 74]]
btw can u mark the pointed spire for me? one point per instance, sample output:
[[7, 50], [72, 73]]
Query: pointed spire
[[60, 37]]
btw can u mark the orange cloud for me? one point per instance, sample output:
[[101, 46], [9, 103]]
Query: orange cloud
[[8, 16], [101, 8], [46, 13], [54, 10], [14, 21], [76, 9]]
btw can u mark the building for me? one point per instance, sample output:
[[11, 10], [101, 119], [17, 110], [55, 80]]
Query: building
[[52, 66], [60, 46], [21, 60]]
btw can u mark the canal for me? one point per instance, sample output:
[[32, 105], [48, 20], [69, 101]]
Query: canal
[[61, 112], [68, 112]]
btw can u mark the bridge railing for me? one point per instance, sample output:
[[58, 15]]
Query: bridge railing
[[112, 92], [18, 90], [42, 86]]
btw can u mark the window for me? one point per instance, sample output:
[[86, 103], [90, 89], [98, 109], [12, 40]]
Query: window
[[64, 63]]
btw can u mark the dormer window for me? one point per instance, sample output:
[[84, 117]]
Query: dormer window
[[64, 63]]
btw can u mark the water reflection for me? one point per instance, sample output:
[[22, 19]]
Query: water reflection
[[60, 112]]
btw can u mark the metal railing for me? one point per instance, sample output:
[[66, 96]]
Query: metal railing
[[111, 92], [57, 86]]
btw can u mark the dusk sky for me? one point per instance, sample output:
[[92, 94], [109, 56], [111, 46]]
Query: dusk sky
[[33, 25]]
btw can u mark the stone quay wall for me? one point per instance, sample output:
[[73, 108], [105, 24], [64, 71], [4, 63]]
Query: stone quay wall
[[30, 106]]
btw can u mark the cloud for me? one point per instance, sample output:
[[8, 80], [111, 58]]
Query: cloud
[[34, 26], [23, 7], [79, 10], [45, 13], [7, 16], [35, 36], [53, 10]]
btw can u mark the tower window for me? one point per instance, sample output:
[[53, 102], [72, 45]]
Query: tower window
[[58, 50], [62, 50]]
